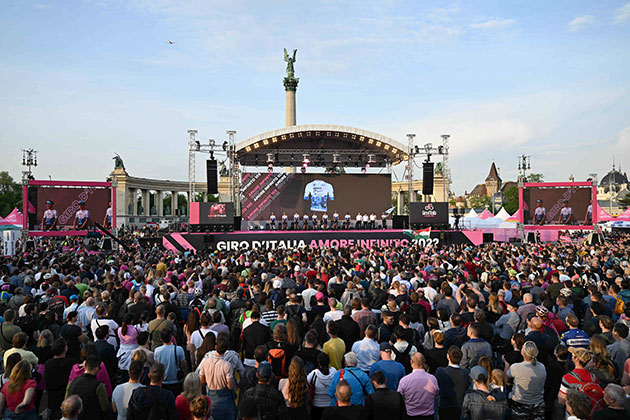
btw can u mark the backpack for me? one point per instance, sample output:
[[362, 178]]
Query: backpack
[[620, 306], [594, 391], [277, 358], [57, 305], [403, 357]]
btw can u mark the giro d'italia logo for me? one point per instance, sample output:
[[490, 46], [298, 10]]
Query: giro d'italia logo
[[429, 211]]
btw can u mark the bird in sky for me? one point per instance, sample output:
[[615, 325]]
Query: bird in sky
[[170, 42]]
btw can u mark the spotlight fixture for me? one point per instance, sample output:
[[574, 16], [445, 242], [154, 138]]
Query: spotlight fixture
[[428, 147], [336, 158], [270, 158], [225, 145], [211, 143], [306, 159], [371, 158]]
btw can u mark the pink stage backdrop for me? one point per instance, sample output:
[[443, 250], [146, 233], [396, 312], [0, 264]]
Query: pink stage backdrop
[[67, 203]]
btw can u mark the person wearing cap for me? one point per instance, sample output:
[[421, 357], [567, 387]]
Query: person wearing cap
[[579, 375], [566, 214], [81, 217], [49, 220], [481, 403], [269, 399], [539, 213]]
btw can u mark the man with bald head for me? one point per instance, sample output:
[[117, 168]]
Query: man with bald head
[[528, 307], [344, 409], [71, 407], [419, 390], [543, 341]]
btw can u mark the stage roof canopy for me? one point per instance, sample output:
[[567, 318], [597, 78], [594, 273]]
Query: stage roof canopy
[[326, 146]]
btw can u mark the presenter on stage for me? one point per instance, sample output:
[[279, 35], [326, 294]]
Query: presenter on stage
[[319, 192], [384, 220], [49, 221], [109, 214], [539, 213], [566, 213], [82, 217]]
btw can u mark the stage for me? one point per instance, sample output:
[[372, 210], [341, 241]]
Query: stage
[[232, 241]]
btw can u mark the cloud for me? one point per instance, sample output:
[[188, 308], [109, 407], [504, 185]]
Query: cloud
[[494, 24], [580, 22], [622, 14]]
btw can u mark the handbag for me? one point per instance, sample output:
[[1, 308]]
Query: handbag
[[180, 373]]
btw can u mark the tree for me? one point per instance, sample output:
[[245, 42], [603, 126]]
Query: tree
[[510, 199], [535, 178], [10, 194], [624, 202], [480, 201]]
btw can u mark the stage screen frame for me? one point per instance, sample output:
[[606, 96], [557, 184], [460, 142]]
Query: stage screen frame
[[197, 211], [62, 184], [416, 217], [521, 201], [289, 187]]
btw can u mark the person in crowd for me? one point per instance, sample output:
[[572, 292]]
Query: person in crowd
[[335, 348], [200, 409], [217, 375], [474, 348], [146, 401], [269, 401], [344, 409], [453, 382], [367, 350], [319, 381], [191, 391], [578, 405], [19, 343], [620, 350], [419, 390], [616, 404], [78, 369], [71, 407], [174, 360], [56, 375], [295, 390], [17, 397], [91, 391], [159, 324], [358, 380], [527, 396], [481, 403], [254, 335], [122, 393], [383, 402]]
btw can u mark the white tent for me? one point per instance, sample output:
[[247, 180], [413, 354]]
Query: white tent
[[502, 214], [471, 213]]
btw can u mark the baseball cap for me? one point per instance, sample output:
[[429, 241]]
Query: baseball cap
[[81, 202], [264, 371], [49, 202], [477, 372], [385, 346], [319, 296], [74, 297]]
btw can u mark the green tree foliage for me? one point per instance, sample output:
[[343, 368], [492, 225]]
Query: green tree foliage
[[10, 194], [535, 178], [625, 202], [480, 202], [510, 199]]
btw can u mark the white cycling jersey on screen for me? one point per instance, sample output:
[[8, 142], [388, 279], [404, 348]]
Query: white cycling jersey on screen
[[319, 192]]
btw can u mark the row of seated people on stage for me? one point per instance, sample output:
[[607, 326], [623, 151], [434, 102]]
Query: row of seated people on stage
[[323, 222], [81, 221]]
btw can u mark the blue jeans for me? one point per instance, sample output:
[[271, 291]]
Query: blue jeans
[[26, 415], [223, 406]]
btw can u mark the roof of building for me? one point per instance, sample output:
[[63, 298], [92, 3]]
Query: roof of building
[[613, 177], [494, 174], [479, 190], [508, 184]]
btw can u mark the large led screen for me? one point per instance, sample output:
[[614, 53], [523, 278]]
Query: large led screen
[[264, 193]]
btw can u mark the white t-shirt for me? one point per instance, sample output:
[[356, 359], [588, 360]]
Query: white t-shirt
[[82, 216], [121, 396], [332, 316], [50, 215], [113, 327], [319, 192], [196, 338]]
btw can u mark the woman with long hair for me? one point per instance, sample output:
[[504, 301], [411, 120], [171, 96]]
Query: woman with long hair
[[12, 360], [207, 345], [192, 390], [293, 338], [295, 390], [18, 394], [79, 368], [128, 335], [318, 381], [192, 324], [486, 363], [601, 364]]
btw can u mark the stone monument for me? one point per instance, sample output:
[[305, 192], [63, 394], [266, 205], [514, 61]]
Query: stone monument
[[290, 86]]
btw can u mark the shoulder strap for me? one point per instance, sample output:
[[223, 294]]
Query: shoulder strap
[[357, 378], [408, 349]]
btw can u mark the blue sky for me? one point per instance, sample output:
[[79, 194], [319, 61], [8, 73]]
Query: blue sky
[[80, 80]]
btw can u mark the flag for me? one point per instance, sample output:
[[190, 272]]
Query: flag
[[388, 211], [418, 234]]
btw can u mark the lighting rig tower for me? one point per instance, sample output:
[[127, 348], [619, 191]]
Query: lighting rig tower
[[410, 163], [446, 169], [523, 167], [229, 148], [427, 150], [29, 159]]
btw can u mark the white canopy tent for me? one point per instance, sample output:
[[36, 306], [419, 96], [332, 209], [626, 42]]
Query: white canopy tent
[[502, 214]]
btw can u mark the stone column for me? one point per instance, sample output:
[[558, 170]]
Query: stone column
[[159, 205], [133, 200], [290, 86], [400, 202], [173, 202], [146, 202]]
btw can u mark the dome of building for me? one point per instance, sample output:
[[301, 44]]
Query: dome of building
[[613, 177]]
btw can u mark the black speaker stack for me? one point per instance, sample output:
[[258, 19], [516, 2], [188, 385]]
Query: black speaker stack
[[211, 174], [427, 178]]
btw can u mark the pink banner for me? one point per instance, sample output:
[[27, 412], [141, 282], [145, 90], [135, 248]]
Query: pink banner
[[14, 218], [602, 215], [625, 216]]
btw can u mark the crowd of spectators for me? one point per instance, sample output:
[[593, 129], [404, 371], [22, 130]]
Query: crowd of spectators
[[502, 330]]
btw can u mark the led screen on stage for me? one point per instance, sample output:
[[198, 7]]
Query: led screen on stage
[[66, 203], [552, 201], [264, 193], [206, 213], [424, 213]]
